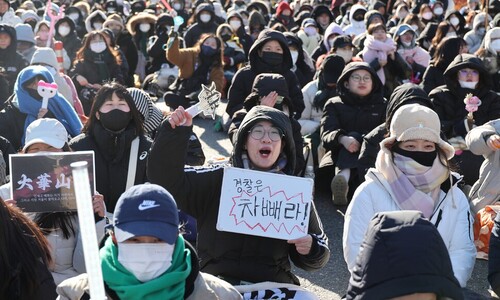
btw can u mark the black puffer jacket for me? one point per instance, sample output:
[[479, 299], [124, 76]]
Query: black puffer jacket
[[194, 32], [449, 99], [156, 52], [407, 93], [11, 62], [71, 42], [263, 85], [112, 153], [241, 85], [198, 191], [348, 113]]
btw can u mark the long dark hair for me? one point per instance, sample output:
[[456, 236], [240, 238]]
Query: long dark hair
[[105, 93], [219, 57], [23, 248], [80, 54], [447, 50], [441, 32]]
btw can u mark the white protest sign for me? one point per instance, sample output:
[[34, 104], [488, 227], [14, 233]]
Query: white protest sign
[[265, 204]]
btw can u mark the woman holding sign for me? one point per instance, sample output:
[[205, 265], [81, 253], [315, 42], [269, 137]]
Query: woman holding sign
[[264, 142], [412, 172]]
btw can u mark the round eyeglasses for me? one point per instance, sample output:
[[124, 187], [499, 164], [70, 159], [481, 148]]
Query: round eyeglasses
[[358, 78], [258, 132]]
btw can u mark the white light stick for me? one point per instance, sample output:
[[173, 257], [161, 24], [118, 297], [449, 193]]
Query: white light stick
[[46, 90], [209, 99], [87, 230]]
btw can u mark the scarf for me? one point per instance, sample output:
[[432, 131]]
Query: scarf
[[58, 106], [113, 145], [413, 186], [375, 49], [170, 285], [277, 167]]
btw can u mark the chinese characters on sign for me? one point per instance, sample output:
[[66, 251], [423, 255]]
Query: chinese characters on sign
[[264, 204], [43, 182]]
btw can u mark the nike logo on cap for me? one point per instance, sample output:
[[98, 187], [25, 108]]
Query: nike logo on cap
[[147, 204]]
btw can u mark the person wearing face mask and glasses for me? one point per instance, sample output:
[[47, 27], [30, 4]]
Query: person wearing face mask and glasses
[[141, 27], [113, 131], [146, 257], [202, 21], [466, 74], [66, 33]]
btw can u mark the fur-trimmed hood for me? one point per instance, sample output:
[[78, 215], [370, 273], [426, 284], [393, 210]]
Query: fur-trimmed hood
[[95, 15], [141, 17]]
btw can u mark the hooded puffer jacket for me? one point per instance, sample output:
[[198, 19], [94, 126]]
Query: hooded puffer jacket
[[388, 267], [407, 93], [318, 11], [279, 18], [244, 39], [490, 58], [348, 113], [355, 27], [451, 217], [475, 37], [241, 85], [96, 16], [448, 99], [198, 28], [71, 41], [11, 61], [198, 191]]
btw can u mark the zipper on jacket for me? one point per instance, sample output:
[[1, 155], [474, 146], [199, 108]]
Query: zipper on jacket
[[439, 217]]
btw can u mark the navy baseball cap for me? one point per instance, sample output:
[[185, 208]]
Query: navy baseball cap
[[146, 209]]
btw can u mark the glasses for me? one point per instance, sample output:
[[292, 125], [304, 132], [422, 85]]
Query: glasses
[[465, 73], [258, 133], [358, 78]]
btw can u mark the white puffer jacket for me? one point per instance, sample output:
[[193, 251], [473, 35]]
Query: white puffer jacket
[[310, 118], [10, 18], [451, 216]]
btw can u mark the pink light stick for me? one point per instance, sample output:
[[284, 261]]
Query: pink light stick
[[53, 19]]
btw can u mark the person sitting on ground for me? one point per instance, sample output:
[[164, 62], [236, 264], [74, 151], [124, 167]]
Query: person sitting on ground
[[387, 267], [146, 257], [264, 142], [412, 172]]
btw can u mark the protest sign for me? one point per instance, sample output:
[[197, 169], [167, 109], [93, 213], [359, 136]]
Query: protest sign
[[264, 204], [43, 182]]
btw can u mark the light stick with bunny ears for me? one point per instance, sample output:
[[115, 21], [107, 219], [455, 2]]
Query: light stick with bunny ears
[[53, 19], [46, 90]]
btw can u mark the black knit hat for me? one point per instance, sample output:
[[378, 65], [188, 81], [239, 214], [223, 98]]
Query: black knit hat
[[402, 254], [332, 67]]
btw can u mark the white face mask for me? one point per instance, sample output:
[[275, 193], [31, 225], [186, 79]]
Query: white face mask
[[205, 18], [235, 24], [330, 42], [310, 31], [97, 26], [454, 21], [481, 31], [438, 11], [495, 45], [98, 47], [177, 6], [468, 84], [406, 44], [144, 27], [415, 27], [451, 34], [295, 56], [74, 17], [402, 15], [63, 30], [427, 15], [144, 260], [345, 54]]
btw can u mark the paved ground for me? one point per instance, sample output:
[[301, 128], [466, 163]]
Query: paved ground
[[329, 283]]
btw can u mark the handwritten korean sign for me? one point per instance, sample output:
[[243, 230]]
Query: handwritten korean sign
[[264, 204], [43, 182]]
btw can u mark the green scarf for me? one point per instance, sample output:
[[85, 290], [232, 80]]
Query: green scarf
[[170, 285]]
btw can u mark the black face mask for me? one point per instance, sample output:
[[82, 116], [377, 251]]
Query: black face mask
[[285, 18], [115, 120], [34, 94], [226, 37], [272, 58], [423, 158]]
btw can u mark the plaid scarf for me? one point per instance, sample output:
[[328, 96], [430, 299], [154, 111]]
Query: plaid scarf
[[414, 186]]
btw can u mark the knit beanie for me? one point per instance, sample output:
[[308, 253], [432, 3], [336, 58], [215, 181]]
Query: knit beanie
[[152, 115], [45, 55], [416, 122], [25, 33]]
